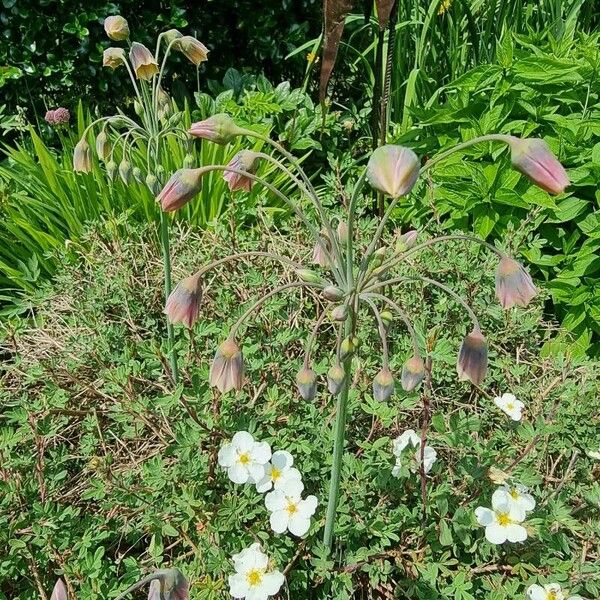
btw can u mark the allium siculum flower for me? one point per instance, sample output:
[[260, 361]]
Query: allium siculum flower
[[116, 28], [113, 57], [219, 128], [306, 382], [60, 590], [171, 35], [333, 293], [183, 303], [180, 189], [321, 250], [514, 286], [473, 358], [335, 379], [192, 49], [535, 160], [244, 160], [143, 62], [342, 233], [103, 145], [125, 171], [393, 170], [413, 372], [227, 369], [82, 157], [383, 385]]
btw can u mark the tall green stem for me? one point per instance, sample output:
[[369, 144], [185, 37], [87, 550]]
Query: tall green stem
[[164, 238], [338, 445]]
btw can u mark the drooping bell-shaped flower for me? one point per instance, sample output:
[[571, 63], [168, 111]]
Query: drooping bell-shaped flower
[[306, 382], [342, 233], [125, 171], [514, 286], [137, 174], [113, 57], [413, 372], [383, 385], [192, 49], [244, 160], [103, 145], [227, 369], [322, 250], [142, 61], [335, 378], [82, 157], [219, 128], [172, 35], [473, 358], [393, 170], [116, 28], [152, 183], [183, 303], [111, 169], [183, 185], [407, 240], [535, 160], [59, 592], [174, 585], [340, 313]]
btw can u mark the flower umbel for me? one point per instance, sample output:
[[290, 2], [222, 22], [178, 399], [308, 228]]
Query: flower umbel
[[244, 458], [227, 369], [252, 578]]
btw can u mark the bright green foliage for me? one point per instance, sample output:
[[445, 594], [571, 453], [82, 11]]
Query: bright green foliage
[[553, 94], [106, 474]]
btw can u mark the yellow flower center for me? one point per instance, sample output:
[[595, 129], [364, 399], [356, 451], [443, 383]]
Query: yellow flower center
[[510, 406], [292, 508], [514, 493], [551, 596], [244, 458], [275, 474], [504, 519], [254, 577]]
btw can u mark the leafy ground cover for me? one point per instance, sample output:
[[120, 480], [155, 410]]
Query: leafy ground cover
[[107, 473]]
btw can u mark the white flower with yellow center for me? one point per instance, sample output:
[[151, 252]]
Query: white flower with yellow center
[[244, 458], [288, 510], [278, 471], [515, 495], [551, 591], [503, 522], [409, 439], [509, 404], [252, 578]]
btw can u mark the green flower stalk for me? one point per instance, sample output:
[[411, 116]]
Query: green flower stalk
[[348, 288]]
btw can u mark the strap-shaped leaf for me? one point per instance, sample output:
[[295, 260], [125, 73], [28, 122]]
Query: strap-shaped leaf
[[334, 18]]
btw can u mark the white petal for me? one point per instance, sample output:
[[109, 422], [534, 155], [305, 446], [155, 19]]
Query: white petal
[[243, 441], [282, 459], [517, 513], [501, 497], [227, 455], [257, 593], [264, 485], [501, 504], [292, 473], [261, 453], [495, 533], [536, 592], [484, 516], [408, 437], [279, 521], [299, 524], [275, 500], [515, 414], [238, 473], [256, 471], [396, 470], [516, 533], [308, 506], [293, 488], [499, 402], [507, 397], [272, 582], [554, 588], [527, 502], [238, 586]]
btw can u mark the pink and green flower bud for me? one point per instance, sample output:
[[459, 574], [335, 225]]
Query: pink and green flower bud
[[383, 385], [59, 591], [82, 157], [113, 58], [152, 183], [393, 170], [306, 382], [333, 293], [309, 276], [378, 257], [103, 145], [172, 35], [348, 346], [335, 379], [219, 128], [322, 250], [125, 171], [183, 303], [227, 369], [340, 313], [194, 50], [142, 61], [244, 160], [533, 158], [111, 169], [116, 28], [342, 233], [138, 107], [189, 161], [514, 286], [473, 358], [407, 240], [180, 189], [413, 373]]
